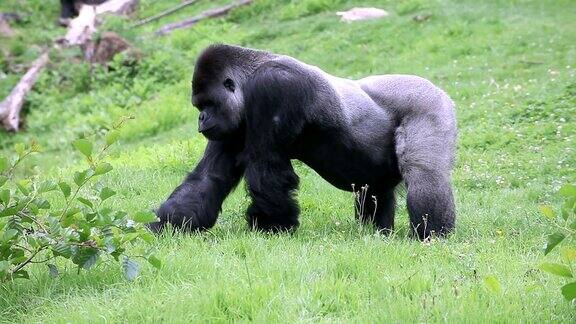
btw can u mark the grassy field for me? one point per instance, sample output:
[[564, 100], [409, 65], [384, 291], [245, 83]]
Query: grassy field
[[510, 67]]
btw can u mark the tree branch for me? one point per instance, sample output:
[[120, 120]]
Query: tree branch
[[23, 264], [164, 13], [216, 12]]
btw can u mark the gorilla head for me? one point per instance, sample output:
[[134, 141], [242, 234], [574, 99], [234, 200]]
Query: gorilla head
[[217, 88]]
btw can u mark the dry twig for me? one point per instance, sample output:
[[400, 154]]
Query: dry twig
[[212, 13], [164, 13]]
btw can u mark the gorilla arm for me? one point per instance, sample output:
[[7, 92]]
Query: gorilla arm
[[195, 204]]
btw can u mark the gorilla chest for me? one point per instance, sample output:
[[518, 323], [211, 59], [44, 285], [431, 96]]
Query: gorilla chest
[[344, 160]]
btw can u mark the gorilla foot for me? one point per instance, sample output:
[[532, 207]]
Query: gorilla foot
[[265, 223], [181, 217], [426, 228]]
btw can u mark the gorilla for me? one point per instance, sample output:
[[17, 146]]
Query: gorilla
[[260, 110]]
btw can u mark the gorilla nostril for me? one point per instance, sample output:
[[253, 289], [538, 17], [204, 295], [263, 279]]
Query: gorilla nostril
[[202, 116]]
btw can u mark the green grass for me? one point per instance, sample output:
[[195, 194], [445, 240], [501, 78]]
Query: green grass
[[509, 66]]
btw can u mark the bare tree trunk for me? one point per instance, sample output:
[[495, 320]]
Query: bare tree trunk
[[216, 12], [11, 106]]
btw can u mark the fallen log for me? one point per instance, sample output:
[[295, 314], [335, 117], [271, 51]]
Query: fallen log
[[212, 13], [11, 106], [164, 13]]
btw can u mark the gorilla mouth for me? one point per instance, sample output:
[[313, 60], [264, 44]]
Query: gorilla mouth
[[205, 130], [211, 133]]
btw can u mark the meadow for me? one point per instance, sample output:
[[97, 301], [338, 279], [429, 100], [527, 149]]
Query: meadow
[[509, 66]]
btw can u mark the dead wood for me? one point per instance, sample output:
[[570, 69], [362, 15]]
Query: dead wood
[[212, 13], [165, 13], [11, 106]]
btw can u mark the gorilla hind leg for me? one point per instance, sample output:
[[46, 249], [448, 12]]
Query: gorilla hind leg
[[425, 151], [430, 203]]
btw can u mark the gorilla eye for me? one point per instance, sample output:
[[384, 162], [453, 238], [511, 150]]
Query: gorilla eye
[[229, 84]]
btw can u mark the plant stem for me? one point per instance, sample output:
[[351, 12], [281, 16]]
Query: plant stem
[[23, 264]]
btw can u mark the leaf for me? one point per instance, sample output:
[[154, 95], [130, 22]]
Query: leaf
[[9, 234], [19, 148], [91, 261], [47, 186], [569, 205], [18, 256], [4, 265], [155, 262], [12, 210], [556, 269], [569, 291], [53, 270], [80, 178], [553, 240], [3, 180], [147, 237], [23, 274], [144, 217], [102, 168], [86, 202], [547, 211], [42, 203], [569, 254], [68, 218], [131, 268], [84, 146], [32, 242], [3, 164], [55, 226], [23, 186], [33, 208], [62, 249], [5, 196], [112, 137], [110, 245], [83, 257], [119, 215], [106, 193], [130, 237], [493, 284], [568, 190], [65, 188], [565, 214]]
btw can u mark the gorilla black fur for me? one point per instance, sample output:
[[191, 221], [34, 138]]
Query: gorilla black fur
[[260, 110]]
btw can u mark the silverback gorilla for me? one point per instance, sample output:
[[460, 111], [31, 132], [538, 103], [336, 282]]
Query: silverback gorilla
[[259, 110]]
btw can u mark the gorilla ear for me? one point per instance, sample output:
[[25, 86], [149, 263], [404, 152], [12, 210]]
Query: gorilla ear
[[229, 84]]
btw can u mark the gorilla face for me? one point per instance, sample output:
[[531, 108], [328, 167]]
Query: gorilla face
[[220, 104], [219, 76]]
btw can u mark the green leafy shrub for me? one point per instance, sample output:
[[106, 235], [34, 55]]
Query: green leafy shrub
[[43, 220], [562, 239]]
